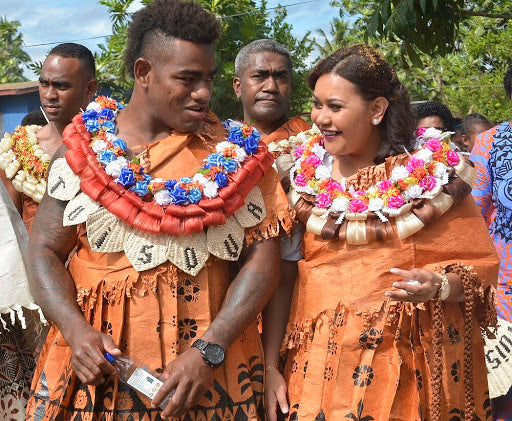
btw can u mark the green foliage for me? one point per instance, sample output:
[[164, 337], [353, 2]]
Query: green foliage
[[431, 27], [466, 73], [12, 56], [242, 21]]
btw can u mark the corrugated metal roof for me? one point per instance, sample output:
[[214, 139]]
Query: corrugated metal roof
[[18, 88]]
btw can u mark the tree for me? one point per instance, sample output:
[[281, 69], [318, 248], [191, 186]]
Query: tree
[[241, 22], [469, 78], [338, 36], [12, 56], [432, 27]]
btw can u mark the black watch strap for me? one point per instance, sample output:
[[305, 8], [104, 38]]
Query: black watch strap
[[200, 345], [213, 354]]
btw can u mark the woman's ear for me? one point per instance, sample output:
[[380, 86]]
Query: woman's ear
[[378, 108]]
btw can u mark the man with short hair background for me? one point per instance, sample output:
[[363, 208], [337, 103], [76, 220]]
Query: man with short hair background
[[263, 82], [67, 82], [263, 79]]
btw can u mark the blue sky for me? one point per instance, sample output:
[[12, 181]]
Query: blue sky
[[53, 21]]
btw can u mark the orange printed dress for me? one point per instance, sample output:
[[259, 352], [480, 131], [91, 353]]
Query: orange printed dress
[[156, 314], [351, 354]]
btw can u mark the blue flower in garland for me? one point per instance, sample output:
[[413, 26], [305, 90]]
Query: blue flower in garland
[[229, 165], [140, 188], [126, 178], [251, 143], [147, 177], [179, 196], [185, 180], [236, 136], [107, 156], [109, 126], [194, 195], [92, 125], [89, 115], [221, 179], [214, 160], [107, 114], [169, 185], [120, 143]]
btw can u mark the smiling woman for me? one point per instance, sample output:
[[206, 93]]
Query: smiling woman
[[386, 267]]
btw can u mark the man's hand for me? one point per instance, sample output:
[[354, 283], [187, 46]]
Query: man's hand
[[88, 347], [189, 377]]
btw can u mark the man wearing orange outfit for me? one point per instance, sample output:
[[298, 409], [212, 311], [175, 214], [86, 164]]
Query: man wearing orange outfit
[[263, 78], [150, 278], [66, 83]]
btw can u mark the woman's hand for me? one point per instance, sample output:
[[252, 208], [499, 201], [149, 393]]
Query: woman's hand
[[275, 394], [419, 285]]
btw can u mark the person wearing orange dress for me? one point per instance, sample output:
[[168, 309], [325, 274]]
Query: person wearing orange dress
[[263, 83], [393, 294], [165, 198]]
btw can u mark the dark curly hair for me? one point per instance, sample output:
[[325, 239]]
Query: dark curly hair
[[373, 77], [161, 20], [434, 108]]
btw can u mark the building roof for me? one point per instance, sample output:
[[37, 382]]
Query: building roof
[[18, 88]]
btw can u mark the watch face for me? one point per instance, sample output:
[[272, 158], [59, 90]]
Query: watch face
[[215, 354]]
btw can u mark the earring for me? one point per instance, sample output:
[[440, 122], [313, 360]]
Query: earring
[[375, 121]]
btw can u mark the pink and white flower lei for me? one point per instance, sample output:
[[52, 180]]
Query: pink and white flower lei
[[421, 178]]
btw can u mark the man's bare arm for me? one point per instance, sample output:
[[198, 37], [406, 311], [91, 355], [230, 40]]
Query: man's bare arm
[[49, 247], [248, 293], [54, 290], [255, 283]]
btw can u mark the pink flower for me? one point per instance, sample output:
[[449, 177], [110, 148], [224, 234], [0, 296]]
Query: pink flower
[[300, 179], [433, 145], [420, 131], [314, 160], [396, 202], [358, 193], [333, 186], [452, 158], [357, 205], [414, 163], [428, 182], [323, 200], [299, 151], [384, 185]]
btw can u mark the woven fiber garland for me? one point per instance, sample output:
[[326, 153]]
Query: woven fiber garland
[[78, 209], [108, 233], [189, 252], [145, 250], [253, 212], [63, 183], [226, 241]]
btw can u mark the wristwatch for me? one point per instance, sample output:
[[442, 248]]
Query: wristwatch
[[213, 354]]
